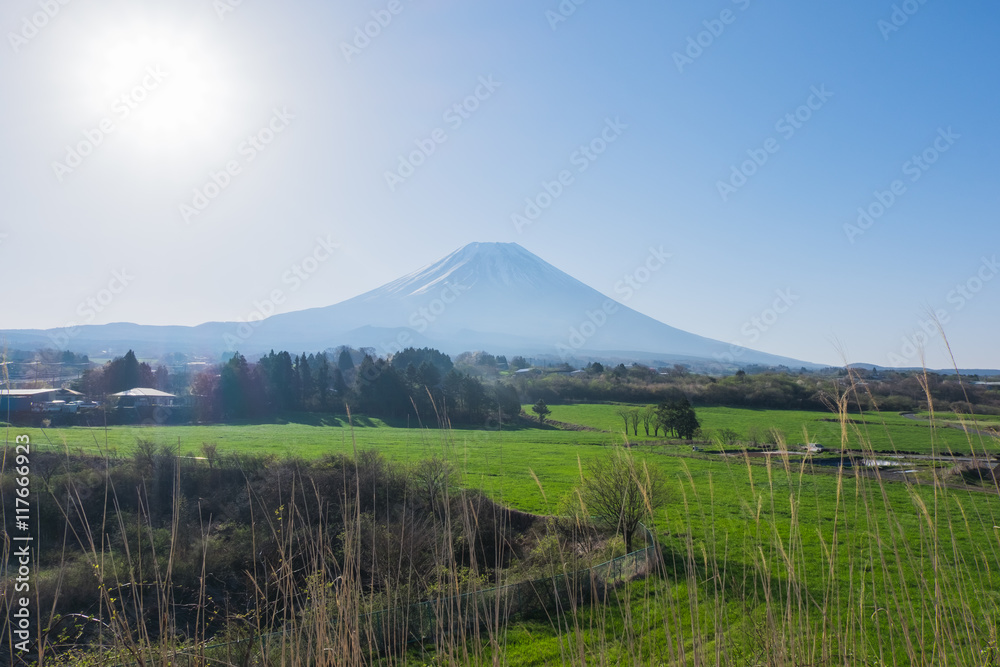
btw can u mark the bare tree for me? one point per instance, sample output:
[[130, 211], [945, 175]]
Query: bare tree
[[432, 480], [210, 450], [648, 416], [727, 437], [623, 413], [774, 437], [621, 492], [633, 420]]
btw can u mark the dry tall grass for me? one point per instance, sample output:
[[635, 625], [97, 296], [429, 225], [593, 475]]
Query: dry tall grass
[[760, 563]]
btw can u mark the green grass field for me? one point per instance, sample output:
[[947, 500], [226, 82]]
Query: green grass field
[[883, 432], [751, 551], [499, 461], [504, 462]]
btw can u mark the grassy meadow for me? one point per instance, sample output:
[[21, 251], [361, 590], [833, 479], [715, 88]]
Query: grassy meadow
[[500, 462], [763, 562], [506, 461], [881, 432]]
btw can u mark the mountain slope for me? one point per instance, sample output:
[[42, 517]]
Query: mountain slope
[[498, 296], [494, 296]]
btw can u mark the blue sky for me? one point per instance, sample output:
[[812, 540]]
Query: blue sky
[[309, 119]]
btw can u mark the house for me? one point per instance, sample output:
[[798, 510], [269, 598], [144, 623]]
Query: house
[[26, 400], [143, 397]]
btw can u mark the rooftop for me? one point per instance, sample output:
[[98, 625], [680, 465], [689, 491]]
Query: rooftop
[[145, 391], [36, 392]]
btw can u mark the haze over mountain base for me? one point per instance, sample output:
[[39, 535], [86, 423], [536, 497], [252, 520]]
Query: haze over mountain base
[[485, 296]]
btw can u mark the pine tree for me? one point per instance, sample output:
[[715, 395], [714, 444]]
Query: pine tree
[[346, 365], [322, 381], [541, 410], [306, 384]]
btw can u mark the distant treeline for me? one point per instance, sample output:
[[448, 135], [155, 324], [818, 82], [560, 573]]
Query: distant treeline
[[785, 390], [420, 384], [427, 386], [121, 374], [44, 366]]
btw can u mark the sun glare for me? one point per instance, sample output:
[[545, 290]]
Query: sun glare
[[161, 88]]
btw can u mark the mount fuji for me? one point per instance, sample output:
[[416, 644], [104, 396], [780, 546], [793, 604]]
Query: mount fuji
[[497, 297]]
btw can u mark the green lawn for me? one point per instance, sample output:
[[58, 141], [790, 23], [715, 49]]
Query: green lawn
[[499, 461], [883, 432], [822, 560], [734, 536], [603, 416], [980, 422]]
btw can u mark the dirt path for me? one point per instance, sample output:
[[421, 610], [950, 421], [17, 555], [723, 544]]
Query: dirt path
[[989, 432], [566, 426]]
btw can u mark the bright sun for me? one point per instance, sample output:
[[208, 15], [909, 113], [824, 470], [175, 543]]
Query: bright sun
[[161, 88]]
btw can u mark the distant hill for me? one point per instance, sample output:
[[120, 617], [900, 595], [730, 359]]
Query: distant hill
[[987, 372], [491, 296]]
